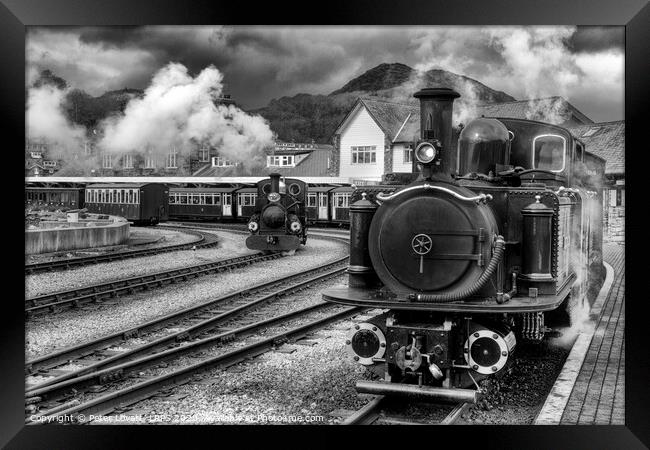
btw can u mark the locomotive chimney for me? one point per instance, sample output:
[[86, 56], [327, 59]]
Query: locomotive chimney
[[275, 182], [436, 107]]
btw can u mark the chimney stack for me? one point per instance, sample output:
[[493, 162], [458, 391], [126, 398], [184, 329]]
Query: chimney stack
[[436, 108]]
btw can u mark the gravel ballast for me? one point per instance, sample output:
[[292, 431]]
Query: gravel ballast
[[45, 334], [230, 245]]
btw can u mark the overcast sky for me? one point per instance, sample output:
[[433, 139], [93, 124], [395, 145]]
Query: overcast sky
[[259, 63]]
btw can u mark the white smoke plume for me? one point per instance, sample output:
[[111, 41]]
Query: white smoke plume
[[178, 111], [45, 121]]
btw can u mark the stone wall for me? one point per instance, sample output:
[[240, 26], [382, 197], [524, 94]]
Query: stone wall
[[72, 238]]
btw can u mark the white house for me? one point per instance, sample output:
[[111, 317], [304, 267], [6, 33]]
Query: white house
[[375, 137]]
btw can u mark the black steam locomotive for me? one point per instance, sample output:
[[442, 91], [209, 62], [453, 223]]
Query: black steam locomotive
[[279, 221], [497, 231]]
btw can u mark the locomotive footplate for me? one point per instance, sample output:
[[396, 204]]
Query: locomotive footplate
[[378, 299], [272, 243]]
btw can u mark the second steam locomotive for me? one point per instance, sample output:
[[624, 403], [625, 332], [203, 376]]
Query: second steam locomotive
[[278, 222], [468, 259]]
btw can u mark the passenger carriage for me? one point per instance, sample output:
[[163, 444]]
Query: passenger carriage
[[202, 203], [137, 202]]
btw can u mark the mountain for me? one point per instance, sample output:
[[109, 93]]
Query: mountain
[[304, 117], [84, 109]]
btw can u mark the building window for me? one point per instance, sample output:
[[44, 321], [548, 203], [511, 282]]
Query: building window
[[49, 163], [107, 161], [204, 154], [280, 161], [36, 155], [364, 155], [408, 154], [149, 163], [219, 161], [171, 159], [88, 148], [616, 197], [127, 161]]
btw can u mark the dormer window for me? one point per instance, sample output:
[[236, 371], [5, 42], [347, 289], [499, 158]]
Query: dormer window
[[280, 161], [549, 152]]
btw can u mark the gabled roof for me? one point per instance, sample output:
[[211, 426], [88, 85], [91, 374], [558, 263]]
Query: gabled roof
[[391, 117], [607, 140], [532, 109]]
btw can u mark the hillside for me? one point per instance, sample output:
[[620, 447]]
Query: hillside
[[304, 117]]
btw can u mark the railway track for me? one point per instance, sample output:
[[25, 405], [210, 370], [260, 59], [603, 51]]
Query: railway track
[[54, 394], [56, 301], [373, 413], [203, 241]]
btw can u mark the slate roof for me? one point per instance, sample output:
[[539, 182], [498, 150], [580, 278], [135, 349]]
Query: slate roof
[[314, 164], [521, 109], [401, 122], [606, 140]]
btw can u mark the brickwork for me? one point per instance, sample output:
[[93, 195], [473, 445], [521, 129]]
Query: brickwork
[[598, 396]]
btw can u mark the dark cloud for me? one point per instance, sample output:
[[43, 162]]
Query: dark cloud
[[594, 39], [260, 63]]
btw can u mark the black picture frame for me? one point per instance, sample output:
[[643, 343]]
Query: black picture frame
[[633, 14]]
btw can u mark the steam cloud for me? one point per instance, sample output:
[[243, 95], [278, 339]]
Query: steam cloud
[[45, 120], [529, 62], [178, 111]]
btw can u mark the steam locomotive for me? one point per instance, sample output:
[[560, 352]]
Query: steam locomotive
[[278, 221], [495, 230]]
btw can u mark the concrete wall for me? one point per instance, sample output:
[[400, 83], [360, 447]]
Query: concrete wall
[[55, 240]]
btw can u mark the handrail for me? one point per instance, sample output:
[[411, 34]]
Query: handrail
[[481, 198]]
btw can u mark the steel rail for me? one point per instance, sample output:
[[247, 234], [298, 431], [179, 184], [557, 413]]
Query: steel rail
[[64, 355], [63, 264], [134, 393], [111, 289], [187, 333]]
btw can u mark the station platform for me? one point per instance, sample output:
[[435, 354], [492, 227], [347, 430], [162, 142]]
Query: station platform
[[590, 390]]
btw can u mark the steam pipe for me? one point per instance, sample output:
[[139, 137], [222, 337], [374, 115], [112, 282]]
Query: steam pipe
[[477, 198], [501, 297], [447, 297]]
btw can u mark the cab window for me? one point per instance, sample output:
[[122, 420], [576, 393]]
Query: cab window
[[549, 152]]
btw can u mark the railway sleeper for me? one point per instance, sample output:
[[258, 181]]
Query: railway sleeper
[[106, 378]]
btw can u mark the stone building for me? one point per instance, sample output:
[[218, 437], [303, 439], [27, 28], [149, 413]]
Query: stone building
[[607, 140]]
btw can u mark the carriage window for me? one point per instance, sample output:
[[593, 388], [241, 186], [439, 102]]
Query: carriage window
[[182, 199], [131, 196], [65, 197], [172, 198], [103, 196], [323, 201], [342, 200], [136, 199], [549, 152], [122, 197], [216, 198], [226, 199], [208, 199], [311, 200], [196, 199]]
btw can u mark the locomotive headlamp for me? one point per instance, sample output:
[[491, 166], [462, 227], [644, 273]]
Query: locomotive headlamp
[[253, 227], [295, 226], [426, 152], [274, 197]]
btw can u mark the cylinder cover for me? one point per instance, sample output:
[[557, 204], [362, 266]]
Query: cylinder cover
[[429, 241]]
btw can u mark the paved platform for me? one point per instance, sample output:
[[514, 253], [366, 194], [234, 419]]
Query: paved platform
[[591, 387]]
